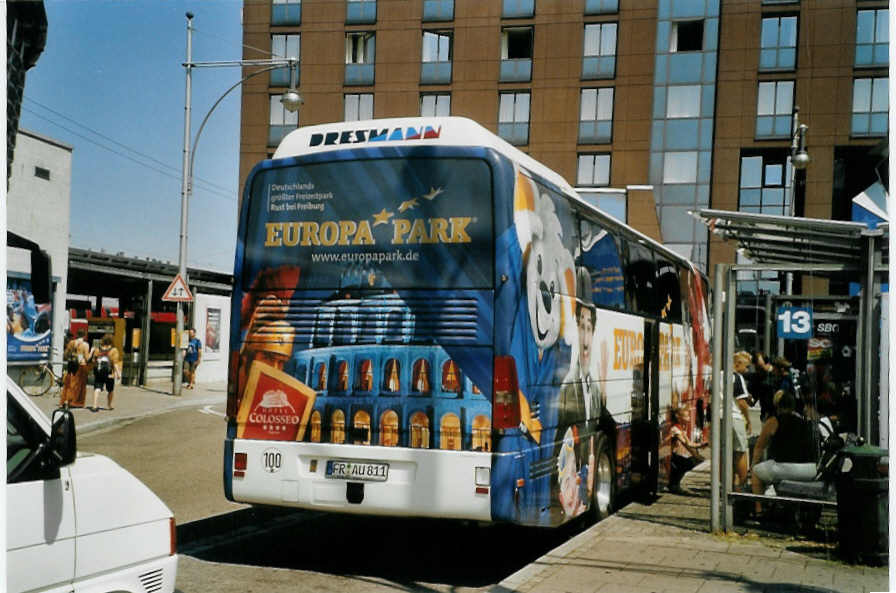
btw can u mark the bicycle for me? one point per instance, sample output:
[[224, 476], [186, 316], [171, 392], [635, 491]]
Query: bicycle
[[38, 380]]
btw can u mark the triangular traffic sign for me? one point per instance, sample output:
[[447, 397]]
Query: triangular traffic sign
[[178, 292]]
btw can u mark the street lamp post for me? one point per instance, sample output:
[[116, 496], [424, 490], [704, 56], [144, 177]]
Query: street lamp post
[[290, 100]]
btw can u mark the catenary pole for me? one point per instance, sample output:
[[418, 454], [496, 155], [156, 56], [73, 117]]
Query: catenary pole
[[184, 210]]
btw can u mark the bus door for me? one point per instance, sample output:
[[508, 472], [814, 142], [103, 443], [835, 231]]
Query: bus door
[[645, 415]]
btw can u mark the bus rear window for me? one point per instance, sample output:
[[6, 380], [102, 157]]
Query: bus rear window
[[372, 224]]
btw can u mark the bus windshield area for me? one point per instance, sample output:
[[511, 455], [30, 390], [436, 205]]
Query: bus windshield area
[[375, 224]]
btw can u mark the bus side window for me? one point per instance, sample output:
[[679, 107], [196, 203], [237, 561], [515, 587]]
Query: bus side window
[[668, 291], [601, 255], [640, 280]]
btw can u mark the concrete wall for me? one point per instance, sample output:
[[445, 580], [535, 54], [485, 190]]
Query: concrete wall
[[213, 366], [39, 209]]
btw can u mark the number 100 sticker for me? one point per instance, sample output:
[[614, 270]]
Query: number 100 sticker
[[271, 460], [795, 323]]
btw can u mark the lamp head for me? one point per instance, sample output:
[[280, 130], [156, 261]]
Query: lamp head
[[800, 160], [291, 100]]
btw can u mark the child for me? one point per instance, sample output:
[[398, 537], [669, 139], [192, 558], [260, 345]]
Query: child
[[685, 453]]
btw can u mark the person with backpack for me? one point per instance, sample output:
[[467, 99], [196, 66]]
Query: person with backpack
[[106, 369], [74, 384]]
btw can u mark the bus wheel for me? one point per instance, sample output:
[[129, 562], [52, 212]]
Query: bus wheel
[[604, 495]]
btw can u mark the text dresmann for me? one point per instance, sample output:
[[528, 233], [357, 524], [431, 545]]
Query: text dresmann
[[350, 232]]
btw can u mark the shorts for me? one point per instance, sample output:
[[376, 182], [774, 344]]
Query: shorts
[[191, 365], [104, 381], [739, 434], [772, 472]]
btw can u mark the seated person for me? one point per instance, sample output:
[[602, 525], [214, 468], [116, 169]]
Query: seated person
[[788, 437], [685, 452]]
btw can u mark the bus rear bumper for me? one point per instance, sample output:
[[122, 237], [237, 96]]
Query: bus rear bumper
[[419, 482]]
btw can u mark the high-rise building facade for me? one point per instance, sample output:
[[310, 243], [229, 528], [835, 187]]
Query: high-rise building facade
[[653, 108]]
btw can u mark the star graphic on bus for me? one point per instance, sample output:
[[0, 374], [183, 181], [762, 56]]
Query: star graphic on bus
[[407, 204], [381, 217], [433, 192]]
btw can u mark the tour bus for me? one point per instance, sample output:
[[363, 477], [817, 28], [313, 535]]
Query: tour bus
[[428, 322]]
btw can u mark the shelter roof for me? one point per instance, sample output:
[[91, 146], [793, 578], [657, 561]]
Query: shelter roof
[[768, 239]]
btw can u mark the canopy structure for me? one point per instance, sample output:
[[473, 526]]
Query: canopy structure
[[767, 239], [856, 250]]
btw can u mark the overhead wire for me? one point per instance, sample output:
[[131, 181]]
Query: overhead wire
[[172, 172]]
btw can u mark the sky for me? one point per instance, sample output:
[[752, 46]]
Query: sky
[[110, 83]]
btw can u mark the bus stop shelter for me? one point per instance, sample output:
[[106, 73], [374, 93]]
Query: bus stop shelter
[[794, 246]]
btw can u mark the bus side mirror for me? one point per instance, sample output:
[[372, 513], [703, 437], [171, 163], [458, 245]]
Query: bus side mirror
[[41, 276], [62, 445]]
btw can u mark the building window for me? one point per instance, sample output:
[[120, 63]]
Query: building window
[[774, 109], [683, 101], [680, 167], [513, 118], [315, 426], [420, 377], [361, 428], [686, 36], [517, 9], [870, 98], [436, 58], [438, 10], [282, 121], [419, 431], [765, 185], [596, 116], [601, 6], [778, 43], [360, 12], [593, 170], [284, 46], [358, 106], [392, 376], [337, 427], [360, 55], [599, 59], [516, 54], [872, 38], [286, 12], [482, 433], [42, 173], [435, 105]]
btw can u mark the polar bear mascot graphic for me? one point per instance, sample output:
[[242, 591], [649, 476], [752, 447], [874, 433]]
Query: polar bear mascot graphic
[[548, 271]]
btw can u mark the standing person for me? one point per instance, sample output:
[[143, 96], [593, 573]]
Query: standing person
[[685, 452], [74, 384], [192, 358], [761, 389], [106, 370], [740, 418]]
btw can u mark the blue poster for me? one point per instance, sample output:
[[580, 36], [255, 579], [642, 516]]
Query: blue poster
[[28, 325]]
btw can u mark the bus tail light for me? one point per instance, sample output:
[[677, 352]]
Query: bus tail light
[[506, 402], [240, 461], [172, 528]]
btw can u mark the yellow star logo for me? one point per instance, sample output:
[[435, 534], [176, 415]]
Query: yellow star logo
[[407, 205], [433, 192], [381, 217]]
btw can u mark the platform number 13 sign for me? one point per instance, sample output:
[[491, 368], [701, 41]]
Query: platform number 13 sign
[[795, 323]]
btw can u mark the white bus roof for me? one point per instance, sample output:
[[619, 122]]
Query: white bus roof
[[428, 131], [408, 131]]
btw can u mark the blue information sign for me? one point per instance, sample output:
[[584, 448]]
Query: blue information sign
[[795, 323]]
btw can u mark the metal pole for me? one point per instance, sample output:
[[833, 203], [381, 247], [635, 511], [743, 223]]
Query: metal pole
[[767, 333], [728, 384], [716, 401], [868, 351], [184, 209], [144, 339]]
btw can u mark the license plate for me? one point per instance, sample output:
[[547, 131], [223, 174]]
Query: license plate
[[357, 470]]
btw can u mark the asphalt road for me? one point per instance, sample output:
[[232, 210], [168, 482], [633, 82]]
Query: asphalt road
[[226, 547]]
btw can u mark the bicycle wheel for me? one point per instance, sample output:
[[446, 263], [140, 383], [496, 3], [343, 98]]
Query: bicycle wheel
[[35, 380]]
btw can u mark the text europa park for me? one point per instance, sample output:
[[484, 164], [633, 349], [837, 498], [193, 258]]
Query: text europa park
[[350, 232]]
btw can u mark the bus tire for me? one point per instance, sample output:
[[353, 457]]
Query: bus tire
[[603, 497]]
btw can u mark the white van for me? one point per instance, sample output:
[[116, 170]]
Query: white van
[[78, 522]]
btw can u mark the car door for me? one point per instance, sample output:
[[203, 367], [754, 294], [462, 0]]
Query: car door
[[40, 520]]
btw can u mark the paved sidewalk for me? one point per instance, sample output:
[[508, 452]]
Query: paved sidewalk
[[132, 402], [667, 547]]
